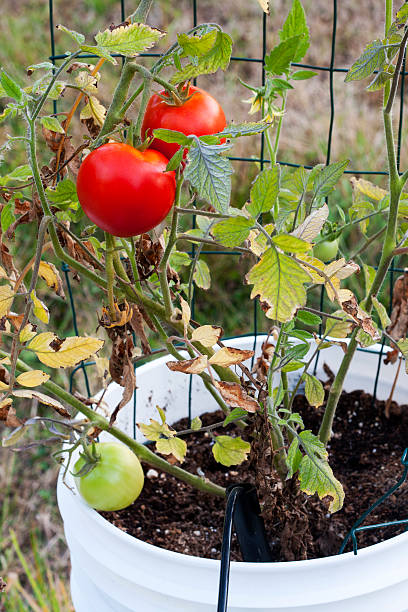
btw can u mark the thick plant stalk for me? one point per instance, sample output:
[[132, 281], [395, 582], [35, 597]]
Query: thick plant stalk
[[395, 188]]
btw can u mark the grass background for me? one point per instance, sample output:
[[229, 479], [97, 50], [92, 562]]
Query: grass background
[[27, 481]]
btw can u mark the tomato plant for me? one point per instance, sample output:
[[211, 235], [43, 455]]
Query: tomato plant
[[116, 479], [124, 191], [200, 114], [326, 250]]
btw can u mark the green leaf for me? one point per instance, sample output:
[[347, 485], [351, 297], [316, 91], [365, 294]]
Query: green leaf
[[326, 179], [196, 423], [264, 191], [278, 280], [338, 329], [201, 276], [308, 318], [7, 216], [381, 78], [195, 45], [41, 66], [21, 174], [210, 174], [314, 390], [372, 58], [171, 136], [52, 123], [176, 160], [232, 232], [178, 259], [236, 413], [291, 244], [10, 87], [369, 276], [301, 334], [230, 451], [302, 75], [64, 195], [79, 38], [315, 474], [281, 57], [295, 25], [217, 56], [382, 313], [235, 130], [403, 347], [99, 51], [128, 40], [292, 366], [294, 458]]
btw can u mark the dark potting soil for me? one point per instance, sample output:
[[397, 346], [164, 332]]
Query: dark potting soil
[[365, 455]]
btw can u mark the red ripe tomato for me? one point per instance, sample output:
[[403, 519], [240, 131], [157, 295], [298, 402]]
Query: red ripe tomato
[[199, 115], [124, 191]]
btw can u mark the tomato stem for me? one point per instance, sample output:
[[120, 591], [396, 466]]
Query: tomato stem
[[110, 273]]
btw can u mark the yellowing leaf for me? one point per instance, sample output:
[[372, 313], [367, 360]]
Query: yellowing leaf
[[27, 333], [94, 110], [312, 225], [338, 329], [57, 353], [264, 6], [50, 274], [43, 399], [3, 386], [196, 423], [5, 361], [230, 451], [32, 378], [314, 390], [227, 356], [368, 189], [172, 446], [279, 281], [40, 310], [3, 273], [382, 313], [6, 299], [207, 335]]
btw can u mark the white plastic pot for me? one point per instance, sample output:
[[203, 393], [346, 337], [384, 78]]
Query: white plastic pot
[[115, 572]]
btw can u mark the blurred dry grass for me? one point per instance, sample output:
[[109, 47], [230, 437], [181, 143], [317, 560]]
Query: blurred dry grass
[[27, 482]]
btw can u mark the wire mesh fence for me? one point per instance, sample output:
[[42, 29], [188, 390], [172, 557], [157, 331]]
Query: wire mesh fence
[[261, 160]]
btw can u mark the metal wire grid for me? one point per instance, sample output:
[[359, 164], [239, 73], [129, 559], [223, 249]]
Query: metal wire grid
[[261, 160]]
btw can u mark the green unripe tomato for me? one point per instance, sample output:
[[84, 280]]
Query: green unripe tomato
[[116, 480], [326, 250]]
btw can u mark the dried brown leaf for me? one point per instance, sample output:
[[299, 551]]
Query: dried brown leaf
[[236, 397], [189, 366], [228, 356]]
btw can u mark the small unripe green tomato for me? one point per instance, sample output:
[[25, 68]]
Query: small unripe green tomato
[[115, 482], [326, 250]]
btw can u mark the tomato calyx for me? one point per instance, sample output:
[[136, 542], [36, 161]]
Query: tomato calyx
[[91, 458], [171, 98]]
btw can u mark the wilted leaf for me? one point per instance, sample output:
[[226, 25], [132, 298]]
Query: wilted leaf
[[201, 276], [56, 353], [185, 313], [52, 277], [33, 378], [338, 329], [6, 299], [227, 356], [27, 333], [362, 319], [382, 313], [196, 423], [43, 399], [235, 396], [40, 310], [207, 335], [312, 225], [189, 366], [94, 111], [230, 451]]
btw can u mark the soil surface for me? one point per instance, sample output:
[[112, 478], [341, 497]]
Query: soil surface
[[365, 455]]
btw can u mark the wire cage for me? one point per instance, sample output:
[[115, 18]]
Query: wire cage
[[260, 158]]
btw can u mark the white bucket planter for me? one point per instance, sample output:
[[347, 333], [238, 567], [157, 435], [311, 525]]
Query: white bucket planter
[[115, 572]]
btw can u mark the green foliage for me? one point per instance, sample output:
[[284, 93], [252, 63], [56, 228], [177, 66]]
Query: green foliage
[[232, 232], [207, 54], [230, 451], [209, 173], [264, 191]]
